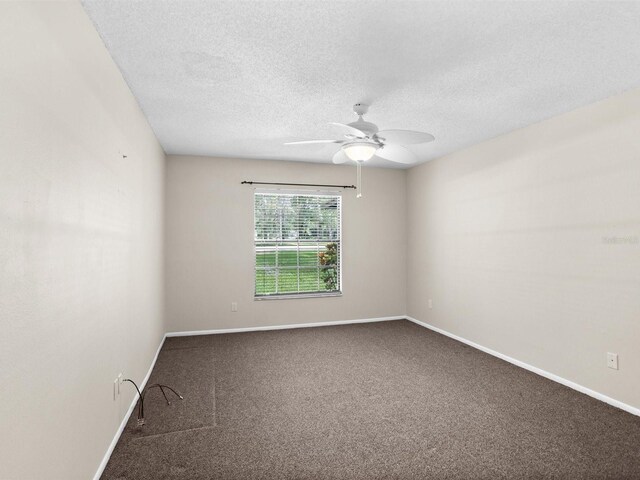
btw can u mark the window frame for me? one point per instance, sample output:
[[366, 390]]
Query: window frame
[[292, 295]]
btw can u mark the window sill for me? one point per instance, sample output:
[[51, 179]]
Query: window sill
[[297, 295]]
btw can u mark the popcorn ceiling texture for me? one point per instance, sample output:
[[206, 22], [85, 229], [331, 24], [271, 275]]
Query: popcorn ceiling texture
[[237, 79]]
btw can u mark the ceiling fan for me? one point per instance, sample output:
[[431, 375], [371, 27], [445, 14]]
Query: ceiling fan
[[363, 140]]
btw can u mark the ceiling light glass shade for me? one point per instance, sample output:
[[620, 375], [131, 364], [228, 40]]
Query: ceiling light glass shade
[[361, 151]]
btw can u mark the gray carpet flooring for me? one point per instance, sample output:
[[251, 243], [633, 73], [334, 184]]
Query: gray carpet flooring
[[388, 400]]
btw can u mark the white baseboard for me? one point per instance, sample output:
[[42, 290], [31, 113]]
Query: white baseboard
[[123, 424], [568, 383], [526, 366], [282, 327]]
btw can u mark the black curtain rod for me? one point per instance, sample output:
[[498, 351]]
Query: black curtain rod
[[246, 182]]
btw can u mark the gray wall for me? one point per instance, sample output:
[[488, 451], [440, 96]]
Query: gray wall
[[80, 242], [209, 244], [529, 244]]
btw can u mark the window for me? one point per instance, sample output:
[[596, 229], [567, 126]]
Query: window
[[297, 244]]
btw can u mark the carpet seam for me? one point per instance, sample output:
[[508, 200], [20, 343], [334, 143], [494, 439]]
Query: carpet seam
[[156, 435]]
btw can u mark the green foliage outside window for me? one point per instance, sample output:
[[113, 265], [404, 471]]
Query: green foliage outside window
[[329, 259]]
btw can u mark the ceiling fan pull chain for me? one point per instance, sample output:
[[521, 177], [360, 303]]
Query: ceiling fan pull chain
[[359, 179]]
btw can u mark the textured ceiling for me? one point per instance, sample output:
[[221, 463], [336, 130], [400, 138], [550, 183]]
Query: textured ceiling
[[237, 79]]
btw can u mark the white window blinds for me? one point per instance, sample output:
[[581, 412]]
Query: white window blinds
[[297, 244]]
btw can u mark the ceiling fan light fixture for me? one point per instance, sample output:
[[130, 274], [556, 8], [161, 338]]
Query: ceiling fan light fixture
[[360, 151]]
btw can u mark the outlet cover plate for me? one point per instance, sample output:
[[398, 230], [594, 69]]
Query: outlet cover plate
[[612, 360]]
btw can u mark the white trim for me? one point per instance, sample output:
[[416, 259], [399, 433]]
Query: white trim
[[551, 376], [526, 366], [285, 296], [283, 327], [123, 424]]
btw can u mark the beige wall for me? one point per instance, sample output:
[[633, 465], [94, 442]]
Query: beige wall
[[511, 239], [209, 244], [80, 243]]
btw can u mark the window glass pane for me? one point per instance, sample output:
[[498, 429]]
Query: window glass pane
[[265, 281], [309, 280], [308, 254], [287, 255], [265, 257]]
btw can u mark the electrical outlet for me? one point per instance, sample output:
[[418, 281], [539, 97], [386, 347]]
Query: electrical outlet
[[612, 360], [119, 379], [234, 306], [115, 389], [430, 303]]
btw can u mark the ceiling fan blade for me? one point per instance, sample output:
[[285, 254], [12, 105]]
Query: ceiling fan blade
[[406, 137], [396, 153], [350, 129], [340, 157], [305, 142]]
